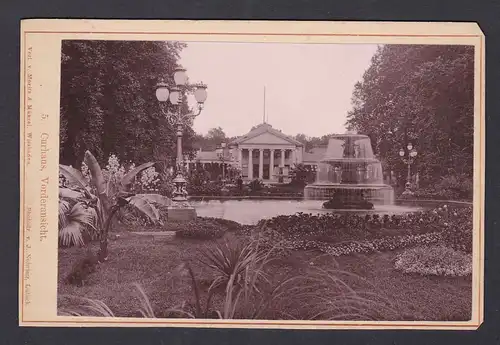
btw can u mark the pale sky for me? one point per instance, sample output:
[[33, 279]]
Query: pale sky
[[308, 86]]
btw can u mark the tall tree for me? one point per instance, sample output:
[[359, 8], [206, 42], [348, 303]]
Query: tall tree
[[216, 134], [423, 94], [108, 102]]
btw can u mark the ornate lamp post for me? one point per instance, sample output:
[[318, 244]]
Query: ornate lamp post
[[221, 152], [222, 156], [408, 160], [180, 209]]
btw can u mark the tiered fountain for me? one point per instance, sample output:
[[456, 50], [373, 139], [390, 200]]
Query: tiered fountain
[[349, 176]]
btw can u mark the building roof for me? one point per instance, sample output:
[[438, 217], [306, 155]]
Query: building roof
[[212, 156], [261, 129], [207, 155]]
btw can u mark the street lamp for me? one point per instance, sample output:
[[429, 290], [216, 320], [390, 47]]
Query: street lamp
[[222, 156], [408, 160], [177, 119]]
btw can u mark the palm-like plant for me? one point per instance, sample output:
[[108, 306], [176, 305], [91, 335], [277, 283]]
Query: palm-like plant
[[106, 197], [232, 261], [74, 219]]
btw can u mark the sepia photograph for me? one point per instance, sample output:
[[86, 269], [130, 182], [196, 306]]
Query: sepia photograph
[[287, 182], [266, 181]]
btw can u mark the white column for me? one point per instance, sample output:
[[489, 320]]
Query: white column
[[261, 163], [282, 158], [240, 157], [294, 157], [250, 164], [271, 165]]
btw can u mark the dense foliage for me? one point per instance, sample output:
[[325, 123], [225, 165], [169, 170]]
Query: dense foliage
[[311, 142], [212, 140], [452, 187], [108, 102], [91, 197], [423, 95]]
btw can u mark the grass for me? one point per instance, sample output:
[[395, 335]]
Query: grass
[[157, 265]]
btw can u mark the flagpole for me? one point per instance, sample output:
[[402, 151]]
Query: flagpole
[[264, 113]]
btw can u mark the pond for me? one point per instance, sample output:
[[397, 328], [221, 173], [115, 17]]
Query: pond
[[251, 211]]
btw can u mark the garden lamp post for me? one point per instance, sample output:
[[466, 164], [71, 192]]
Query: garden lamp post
[[178, 119], [222, 156], [408, 158]]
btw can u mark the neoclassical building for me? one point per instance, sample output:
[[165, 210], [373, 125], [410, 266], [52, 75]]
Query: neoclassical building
[[263, 153]]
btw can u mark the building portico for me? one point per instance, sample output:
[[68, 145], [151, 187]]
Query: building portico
[[265, 163], [266, 154]]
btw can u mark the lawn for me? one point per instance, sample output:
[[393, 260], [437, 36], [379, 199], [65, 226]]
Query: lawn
[[155, 264]]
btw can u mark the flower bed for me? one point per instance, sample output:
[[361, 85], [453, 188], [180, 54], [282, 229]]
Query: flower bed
[[200, 228], [434, 260], [351, 233], [283, 244]]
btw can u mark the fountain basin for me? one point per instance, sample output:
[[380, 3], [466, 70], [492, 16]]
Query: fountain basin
[[250, 211], [349, 176]]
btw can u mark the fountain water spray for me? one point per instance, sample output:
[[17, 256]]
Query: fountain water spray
[[349, 176]]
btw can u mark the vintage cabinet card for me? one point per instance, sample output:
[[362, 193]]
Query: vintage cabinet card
[[315, 175]]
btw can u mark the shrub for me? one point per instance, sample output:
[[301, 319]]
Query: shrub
[[434, 260], [195, 231], [255, 186], [208, 188], [228, 225], [452, 187], [459, 186], [202, 230]]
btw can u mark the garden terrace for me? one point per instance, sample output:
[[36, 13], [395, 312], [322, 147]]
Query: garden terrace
[[381, 292]]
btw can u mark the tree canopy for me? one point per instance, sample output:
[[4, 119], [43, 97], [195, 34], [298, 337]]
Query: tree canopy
[[212, 140], [423, 94], [108, 102]]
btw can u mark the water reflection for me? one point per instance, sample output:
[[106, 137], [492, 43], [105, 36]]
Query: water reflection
[[251, 211]]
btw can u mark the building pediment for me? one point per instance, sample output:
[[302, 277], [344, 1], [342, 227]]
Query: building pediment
[[267, 138], [265, 134]]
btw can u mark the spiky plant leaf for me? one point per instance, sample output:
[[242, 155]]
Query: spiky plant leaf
[[146, 308], [71, 234], [75, 176], [97, 179], [156, 199], [83, 306], [70, 193], [75, 222], [145, 207], [64, 209], [129, 177]]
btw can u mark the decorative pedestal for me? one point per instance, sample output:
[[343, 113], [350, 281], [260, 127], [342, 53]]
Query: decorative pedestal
[[180, 209]]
